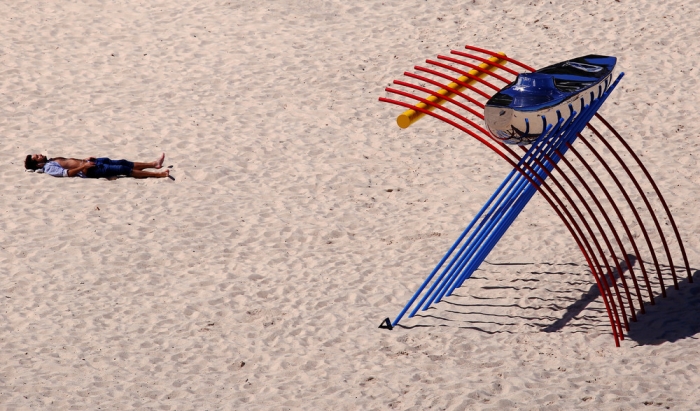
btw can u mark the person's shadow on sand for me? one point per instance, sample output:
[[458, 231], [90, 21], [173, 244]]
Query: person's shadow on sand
[[670, 319]]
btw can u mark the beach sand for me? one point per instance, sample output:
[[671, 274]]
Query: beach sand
[[300, 216]]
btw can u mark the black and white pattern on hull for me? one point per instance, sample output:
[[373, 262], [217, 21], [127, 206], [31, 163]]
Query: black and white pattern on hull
[[521, 111]]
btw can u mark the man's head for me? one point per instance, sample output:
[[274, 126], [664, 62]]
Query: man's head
[[34, 161]]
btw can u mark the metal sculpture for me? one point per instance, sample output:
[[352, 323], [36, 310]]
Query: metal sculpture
[[460, 103]]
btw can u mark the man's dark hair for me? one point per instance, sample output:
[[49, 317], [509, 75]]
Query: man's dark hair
[[30, 163]]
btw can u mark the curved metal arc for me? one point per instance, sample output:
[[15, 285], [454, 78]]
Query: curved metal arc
[[622, 220], [456, 80], [483, 60], [651, 212], [630, 237], [462, 72], [649, 209], [658, 194], [603, 234], [443, 97], [508, 59], [474, 67], [579, 239]]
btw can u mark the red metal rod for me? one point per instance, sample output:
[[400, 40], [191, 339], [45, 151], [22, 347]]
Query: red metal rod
[[493, 53], [483, 60], [658, 193], [603, 287], [642, 228], [622, 221], [456, 80], [440, 96], [474, 67], [604, 236], [591, 233], [462, 72], [649, 209], [437, 83]]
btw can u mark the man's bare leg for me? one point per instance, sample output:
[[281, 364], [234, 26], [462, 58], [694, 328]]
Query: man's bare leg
[[153, 164], [145, 174]]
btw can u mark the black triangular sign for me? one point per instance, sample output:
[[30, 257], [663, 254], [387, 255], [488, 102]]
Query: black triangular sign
[[386, 324]]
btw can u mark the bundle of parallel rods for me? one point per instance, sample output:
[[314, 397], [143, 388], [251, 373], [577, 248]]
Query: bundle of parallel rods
[[533, 171]]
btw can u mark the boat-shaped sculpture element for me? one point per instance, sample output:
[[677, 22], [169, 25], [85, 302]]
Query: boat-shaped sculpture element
[[521, 111]]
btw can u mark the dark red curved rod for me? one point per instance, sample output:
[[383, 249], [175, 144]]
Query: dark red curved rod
[[604, 236], [573, 204], [592, 236], [551, 197], [601, 282], [474, 67], [483, 60], [646, 173], [619, 215], [639, 220], [508, 149], [658, 194], [637, 217]]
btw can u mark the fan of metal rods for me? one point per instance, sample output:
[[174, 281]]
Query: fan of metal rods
[[604, 240]]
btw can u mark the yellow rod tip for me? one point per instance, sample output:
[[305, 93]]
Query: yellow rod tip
[[403, 121]]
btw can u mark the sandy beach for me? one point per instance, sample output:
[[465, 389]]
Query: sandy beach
[[300, 215]]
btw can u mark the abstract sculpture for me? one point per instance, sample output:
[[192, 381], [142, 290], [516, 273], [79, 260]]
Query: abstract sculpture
[[472, 79]]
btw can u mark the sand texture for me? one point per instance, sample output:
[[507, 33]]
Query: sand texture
[[300, 215]]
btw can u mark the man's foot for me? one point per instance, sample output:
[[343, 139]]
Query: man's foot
[[159, 162]]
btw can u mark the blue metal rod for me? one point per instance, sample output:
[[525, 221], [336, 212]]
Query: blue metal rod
[[520, 184], [458, 256], [501, 194], [504, 224], [569, 135], [524, 182], [514, 191], [447, 255], [497, 211]]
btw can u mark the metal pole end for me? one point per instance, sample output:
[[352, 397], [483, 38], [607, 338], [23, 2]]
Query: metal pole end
[[386, 324]]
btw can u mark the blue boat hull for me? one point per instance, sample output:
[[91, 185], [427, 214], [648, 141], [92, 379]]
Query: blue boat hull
[[521, 111]]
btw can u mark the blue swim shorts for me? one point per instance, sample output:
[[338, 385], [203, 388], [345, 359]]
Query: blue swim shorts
[[106, 168]]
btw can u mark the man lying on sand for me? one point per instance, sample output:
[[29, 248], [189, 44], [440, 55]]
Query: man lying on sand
[[94, 167]]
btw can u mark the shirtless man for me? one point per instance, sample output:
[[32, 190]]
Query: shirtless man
[[94, 167]]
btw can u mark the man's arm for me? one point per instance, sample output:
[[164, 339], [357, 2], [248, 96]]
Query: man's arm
[[83, 168]]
